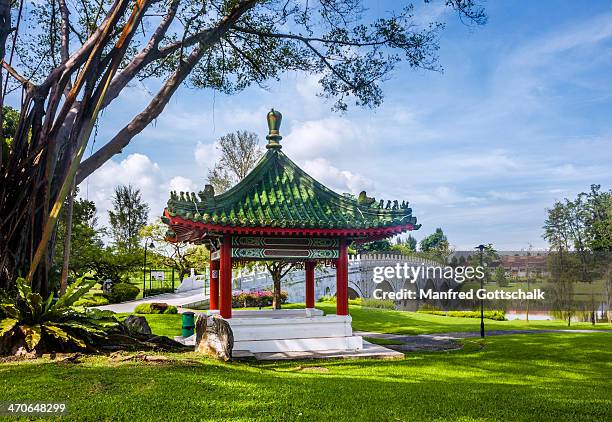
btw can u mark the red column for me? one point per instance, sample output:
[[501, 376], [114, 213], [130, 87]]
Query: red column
[[310, 268], [342, 280], [214, 285], [225, 278]]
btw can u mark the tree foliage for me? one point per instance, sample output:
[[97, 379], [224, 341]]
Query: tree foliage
[[579, 232], [86, 240], [128, 216], [500, 276], [581, 224], [179, 255], [75, 58], [239, 151]]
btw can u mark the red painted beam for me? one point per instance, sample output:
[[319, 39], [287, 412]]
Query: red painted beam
[[342, 280], [225, 278], [310, 283], [214, 285]]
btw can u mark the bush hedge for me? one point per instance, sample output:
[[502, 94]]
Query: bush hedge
[[155, 308], [494, 315], [159, 291], [96, 300], [377, 303], [260, 299], [122, 292]]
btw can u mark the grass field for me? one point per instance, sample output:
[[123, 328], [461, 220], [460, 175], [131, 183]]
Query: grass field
[[533, 378], [537, 377], [399, 322]]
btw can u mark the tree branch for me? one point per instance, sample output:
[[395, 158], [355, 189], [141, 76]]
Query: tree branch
[[20, 78], [159, 102], [147, 55], [65, 31]]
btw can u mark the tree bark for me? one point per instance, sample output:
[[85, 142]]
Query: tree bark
[[276, 299], [67, 241]]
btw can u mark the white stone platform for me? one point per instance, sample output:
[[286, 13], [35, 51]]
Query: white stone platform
[[369, 351], [292, 330]]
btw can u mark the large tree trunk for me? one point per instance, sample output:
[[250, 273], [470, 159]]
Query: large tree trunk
[[276, 299], [67, 241]]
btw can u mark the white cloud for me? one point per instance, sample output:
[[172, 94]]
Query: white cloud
[[445, 196], [182, 184], [509, 196], [325, 137], [137, 170], [338, 180], [206, 155]]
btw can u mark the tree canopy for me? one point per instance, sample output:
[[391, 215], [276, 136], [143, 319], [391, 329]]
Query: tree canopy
[[128, 216], [240, 151], [71, 60]]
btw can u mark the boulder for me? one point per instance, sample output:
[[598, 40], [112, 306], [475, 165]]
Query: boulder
[[137, 324], [214, 337]]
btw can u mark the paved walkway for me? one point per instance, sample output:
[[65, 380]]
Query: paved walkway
[[182, 299], [449, 341]]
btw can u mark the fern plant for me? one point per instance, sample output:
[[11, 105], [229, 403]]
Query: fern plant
[[45, 325]]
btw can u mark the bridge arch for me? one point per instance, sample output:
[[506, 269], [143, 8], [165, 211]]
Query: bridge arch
[[354, 291], [410, 304], [430, 285], [385, 286], [445, 303]]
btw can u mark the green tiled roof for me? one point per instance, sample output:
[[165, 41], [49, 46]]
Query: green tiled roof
[[277, 193]]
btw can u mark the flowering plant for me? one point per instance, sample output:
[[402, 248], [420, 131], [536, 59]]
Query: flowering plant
[[258, 298]]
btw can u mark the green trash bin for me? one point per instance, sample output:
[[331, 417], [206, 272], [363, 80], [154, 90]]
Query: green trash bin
[[188, 323]]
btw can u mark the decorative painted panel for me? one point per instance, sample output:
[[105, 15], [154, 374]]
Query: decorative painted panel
[[256, 241], [275, 253]]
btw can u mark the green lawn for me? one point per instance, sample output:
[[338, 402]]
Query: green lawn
[[163, 325], [398, 322], [537, 377], [532, 378]]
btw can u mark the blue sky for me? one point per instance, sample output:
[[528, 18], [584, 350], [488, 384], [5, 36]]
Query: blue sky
[[520, 117]]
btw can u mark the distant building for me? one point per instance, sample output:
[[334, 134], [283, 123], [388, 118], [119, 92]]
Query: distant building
[[517, 264], [525, 265]]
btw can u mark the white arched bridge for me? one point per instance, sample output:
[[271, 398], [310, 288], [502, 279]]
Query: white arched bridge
[[362, 270]]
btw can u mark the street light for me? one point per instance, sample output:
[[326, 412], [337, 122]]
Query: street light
[[144, 267], [482, 333]]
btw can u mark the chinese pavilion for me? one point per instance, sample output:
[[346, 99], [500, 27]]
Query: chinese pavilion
[[279, 212]]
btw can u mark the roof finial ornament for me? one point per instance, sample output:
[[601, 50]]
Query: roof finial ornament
[[274, 122]]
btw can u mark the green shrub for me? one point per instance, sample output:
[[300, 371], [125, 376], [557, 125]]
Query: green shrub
[[48, 325], [159, 291], [494, 315], [429, 307], [355, 301], [93, 301], [171, 310], [155, 308], [143, 308], [377, 303], [122, 292], [327, 299]]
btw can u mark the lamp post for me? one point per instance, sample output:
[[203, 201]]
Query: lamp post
[[482, 332], [144, 266]]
